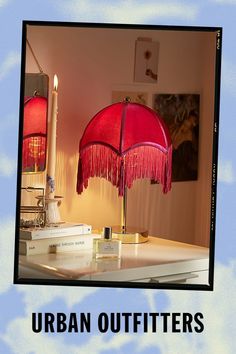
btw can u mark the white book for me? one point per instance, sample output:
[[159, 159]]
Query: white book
[[61, 230], [57, 244]]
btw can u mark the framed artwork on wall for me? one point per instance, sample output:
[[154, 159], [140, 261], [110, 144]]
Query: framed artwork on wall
[[181, 114], [146, 61]]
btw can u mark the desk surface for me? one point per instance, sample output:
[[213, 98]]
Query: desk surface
[[157, 257]]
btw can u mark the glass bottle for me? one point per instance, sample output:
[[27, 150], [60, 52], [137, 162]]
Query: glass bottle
[[106, 247]]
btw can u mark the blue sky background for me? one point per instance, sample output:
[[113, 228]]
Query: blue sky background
[[18, 302]]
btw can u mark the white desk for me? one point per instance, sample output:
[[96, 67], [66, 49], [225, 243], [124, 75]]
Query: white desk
[[156, 261]]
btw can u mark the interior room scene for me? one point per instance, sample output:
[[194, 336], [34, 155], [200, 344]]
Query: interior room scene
[[116, 166]]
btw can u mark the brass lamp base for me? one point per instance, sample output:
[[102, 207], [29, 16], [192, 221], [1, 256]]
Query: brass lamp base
[[130, 234]]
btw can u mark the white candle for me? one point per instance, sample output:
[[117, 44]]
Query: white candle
[[50, 186]]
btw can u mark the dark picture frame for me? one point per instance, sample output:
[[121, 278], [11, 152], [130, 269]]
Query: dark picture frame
[[23, 278]]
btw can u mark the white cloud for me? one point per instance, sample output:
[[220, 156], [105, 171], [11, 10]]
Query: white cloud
[[4, 2], [225, 2], [11, 60], [46, 294], [129, 11], [21, 340], [229, 76], [217, 307], [7, 165], [7, 239], [226, 172], [97, 344]]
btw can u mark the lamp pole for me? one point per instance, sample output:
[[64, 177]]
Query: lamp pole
[[124, 211]]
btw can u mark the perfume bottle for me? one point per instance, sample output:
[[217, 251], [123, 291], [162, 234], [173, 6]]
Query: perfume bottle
[[106, 247]]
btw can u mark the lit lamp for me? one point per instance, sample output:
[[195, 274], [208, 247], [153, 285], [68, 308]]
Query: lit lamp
[[124, 142], [34, 134]]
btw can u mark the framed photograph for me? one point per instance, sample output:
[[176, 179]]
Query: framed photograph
[[181, 114], [146, 61], [69, 237]]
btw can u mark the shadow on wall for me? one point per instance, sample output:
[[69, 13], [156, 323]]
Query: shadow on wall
[[98, 205]]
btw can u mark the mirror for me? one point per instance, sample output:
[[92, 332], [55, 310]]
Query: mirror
[[35, 123]]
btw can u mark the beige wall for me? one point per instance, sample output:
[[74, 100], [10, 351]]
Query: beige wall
[[90, 63]]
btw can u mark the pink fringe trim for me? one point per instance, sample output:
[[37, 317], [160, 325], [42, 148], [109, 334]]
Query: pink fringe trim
[[33, 152], [141, 162]]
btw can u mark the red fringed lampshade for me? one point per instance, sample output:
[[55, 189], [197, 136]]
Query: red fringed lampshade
[[34, 133], [123, 142]]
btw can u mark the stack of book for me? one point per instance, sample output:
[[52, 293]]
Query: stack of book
[[62, 238]]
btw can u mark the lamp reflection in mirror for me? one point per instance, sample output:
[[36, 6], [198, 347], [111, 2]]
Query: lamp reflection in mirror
[[34, 134], [124, 142]]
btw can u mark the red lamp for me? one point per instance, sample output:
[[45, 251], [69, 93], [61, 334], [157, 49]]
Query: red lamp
[[34, 134], [124, 142]]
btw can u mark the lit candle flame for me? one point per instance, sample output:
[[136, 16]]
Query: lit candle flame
[[55, 82]]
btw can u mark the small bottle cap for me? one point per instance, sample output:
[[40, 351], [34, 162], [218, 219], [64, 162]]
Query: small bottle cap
[[107, 233]]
